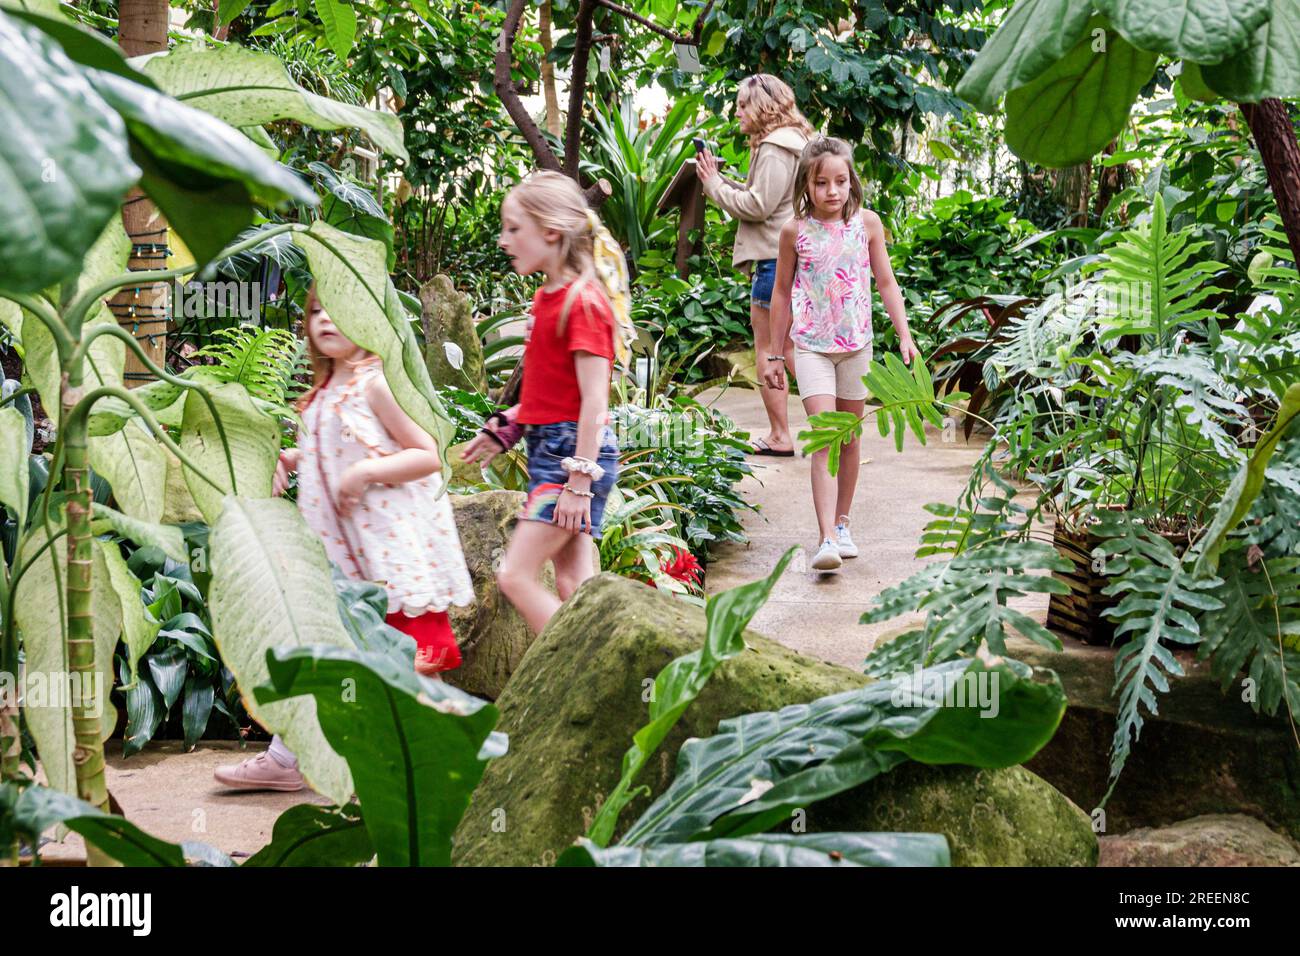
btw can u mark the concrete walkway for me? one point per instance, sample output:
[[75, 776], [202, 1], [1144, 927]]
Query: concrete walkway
[[817, 614]]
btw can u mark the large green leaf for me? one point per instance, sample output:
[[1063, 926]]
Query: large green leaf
[[774, 849], [64, 164], [417, 747], [680, 682], [254, 440], [271, 587], [81, 44], [247, 88], [1034, 35], [340, 23], [1072, 110], [758, 768], [1202, 30], [204, 175], [1245, 485], [169, 538], [1268, 66], [354, 288], [308, 835], [13, 452], [134, 463], [40, 606], [138, 628]]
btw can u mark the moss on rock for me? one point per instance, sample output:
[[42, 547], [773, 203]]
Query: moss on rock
[[577, 697]]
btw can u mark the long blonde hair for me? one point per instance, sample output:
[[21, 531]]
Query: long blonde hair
[[773, 106], [810, 161], [322, 366], [555, 202]]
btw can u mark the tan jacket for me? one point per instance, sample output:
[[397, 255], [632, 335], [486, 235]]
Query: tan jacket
[[765, 202]]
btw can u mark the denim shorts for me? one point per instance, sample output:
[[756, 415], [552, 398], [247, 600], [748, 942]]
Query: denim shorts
[[760, 293], [548, 445]]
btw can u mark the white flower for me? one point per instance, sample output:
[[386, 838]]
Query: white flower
[[455, 355]]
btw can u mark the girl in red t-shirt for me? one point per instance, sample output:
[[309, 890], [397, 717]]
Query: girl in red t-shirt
[[564, 398]]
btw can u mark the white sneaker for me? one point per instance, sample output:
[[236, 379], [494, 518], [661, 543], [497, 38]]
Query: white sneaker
[[842, 539], [827, 557]]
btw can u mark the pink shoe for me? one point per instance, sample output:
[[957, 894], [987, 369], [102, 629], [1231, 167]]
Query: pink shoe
[[262, 772]]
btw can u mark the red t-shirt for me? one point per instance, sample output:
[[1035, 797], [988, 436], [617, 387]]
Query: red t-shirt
[[550, 388]]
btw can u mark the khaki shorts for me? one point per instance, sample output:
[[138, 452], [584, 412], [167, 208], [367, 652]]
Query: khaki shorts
[[832, 373]]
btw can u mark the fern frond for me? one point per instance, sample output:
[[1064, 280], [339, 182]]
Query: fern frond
[[1159, 601], [1257, 629], [263, 360]]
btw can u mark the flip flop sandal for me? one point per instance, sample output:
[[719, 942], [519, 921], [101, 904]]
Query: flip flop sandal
[[760, 447]]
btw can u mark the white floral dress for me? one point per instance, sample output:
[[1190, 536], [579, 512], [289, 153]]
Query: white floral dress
[[401, 536]]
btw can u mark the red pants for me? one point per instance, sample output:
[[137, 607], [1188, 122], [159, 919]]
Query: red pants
[[435, 644]]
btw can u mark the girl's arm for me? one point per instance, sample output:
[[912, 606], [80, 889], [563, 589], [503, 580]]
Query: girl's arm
[[285, 467], [419, 455], [890, 293], [573, 512], [774, 370]]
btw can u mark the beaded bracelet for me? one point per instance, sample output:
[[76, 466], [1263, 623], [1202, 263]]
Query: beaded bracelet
[[583, 466], [580, 494]]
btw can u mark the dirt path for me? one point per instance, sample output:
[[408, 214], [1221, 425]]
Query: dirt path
[[817, 614]]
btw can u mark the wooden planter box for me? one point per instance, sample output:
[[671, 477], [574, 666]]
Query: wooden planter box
[[1078, 613]]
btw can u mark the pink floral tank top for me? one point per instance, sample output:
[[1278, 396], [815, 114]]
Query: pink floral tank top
[[831, 296]]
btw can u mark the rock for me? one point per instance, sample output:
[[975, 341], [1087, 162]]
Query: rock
[[1220, 839], [447, 316], [491, 634], [576, 699], [1211, 753]]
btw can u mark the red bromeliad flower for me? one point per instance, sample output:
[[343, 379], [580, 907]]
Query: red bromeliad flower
[[683, 567]]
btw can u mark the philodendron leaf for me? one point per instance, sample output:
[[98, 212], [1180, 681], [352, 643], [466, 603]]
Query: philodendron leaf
[[271, 587], [40, 606], [417, 747], [352, 281], [774, 849], [308, 835], [247, 88], [758, 767], [1202, 30], [1034, 35], [134, 463], [203, 175], [13, 452], [254, 443], [63, 160], [1267, 66], [680, 682], [1071, 111], [165, 536], [138, 628], [1245, 485]]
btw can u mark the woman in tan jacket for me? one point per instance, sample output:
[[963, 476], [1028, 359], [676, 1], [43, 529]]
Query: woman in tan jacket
[[778, 132]]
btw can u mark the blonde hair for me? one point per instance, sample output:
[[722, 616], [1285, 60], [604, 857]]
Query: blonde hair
[[773, 106], [555, 202], [810, 161], [322, 366]]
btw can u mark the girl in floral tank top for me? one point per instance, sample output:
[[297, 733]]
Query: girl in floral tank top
[[827, 256]]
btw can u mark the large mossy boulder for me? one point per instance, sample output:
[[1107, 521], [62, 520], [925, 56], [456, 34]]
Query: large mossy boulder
[[578, 696], [448, 316], [491, 634]]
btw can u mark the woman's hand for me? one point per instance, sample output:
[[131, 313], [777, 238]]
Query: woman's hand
[[907, 349], [573, 512], [706, 166], [774, 374], [481, 448], [356, 479], [285, 467]]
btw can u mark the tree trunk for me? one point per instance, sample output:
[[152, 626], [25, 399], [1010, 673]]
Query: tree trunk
[[553, 125], [578, 87], [1275, 136], [144, 311], [1072, 185]]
